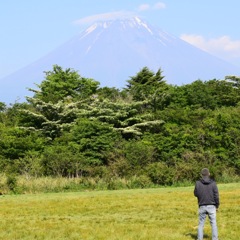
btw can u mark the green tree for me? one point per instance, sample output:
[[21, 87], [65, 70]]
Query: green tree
[[15, 143], [126, 117], [51, 119], [210, 94], [93, 139], [63, 161], [113, 94], [150, 86], [55, 106], [2, 106], [2, 112], [60, 84]]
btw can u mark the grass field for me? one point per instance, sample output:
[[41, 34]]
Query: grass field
[[163, 213]]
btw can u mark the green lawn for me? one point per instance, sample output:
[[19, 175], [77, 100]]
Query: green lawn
[[163, 213]]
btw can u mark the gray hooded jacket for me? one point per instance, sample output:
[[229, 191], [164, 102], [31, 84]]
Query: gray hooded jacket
[[206, 191]]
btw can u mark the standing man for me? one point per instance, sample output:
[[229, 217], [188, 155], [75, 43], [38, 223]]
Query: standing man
[[207, 194]]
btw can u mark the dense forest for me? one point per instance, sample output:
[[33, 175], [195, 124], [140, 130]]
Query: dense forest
[[155, 132]]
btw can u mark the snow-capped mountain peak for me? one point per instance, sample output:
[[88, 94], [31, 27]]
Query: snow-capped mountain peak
[[112, 51], [133, 22]]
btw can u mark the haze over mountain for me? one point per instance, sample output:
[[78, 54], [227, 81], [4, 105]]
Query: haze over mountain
[[113, 51]]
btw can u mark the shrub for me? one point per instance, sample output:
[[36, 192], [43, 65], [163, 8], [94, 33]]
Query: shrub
[[12, 183], [160, 173], [142, 181]]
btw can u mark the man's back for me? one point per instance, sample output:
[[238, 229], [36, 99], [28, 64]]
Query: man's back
[[207, 192]]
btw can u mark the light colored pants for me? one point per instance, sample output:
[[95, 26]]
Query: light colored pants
[[210, 211]]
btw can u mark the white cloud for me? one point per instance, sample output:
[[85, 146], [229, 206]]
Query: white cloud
[[104, 17], [223, 47], [195, 40], [119, 14], [143, 7], [156, 6]]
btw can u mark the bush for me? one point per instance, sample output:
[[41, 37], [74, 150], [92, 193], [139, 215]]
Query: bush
[[12, 183], [141, 181], [160, 173]]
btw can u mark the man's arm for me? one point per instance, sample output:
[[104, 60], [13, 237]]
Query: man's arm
[[216, 195], [196, 190]]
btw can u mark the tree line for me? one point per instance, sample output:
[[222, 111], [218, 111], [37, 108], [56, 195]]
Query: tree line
[[158, 132]]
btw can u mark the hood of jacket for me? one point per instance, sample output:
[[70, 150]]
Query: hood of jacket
[[206, 180]]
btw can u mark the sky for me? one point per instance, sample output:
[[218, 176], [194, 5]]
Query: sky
[[30, 29]]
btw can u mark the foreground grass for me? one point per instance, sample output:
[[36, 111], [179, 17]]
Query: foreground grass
[[163, 213]]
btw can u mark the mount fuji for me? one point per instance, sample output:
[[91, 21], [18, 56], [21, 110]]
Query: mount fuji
[[113, 51]]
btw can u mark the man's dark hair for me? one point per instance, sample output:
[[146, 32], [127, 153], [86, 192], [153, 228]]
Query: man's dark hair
[[205, 172]]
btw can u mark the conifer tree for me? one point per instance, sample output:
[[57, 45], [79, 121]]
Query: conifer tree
[[150, 86]]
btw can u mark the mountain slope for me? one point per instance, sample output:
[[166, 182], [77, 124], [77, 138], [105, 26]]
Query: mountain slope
[[111, 52]]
